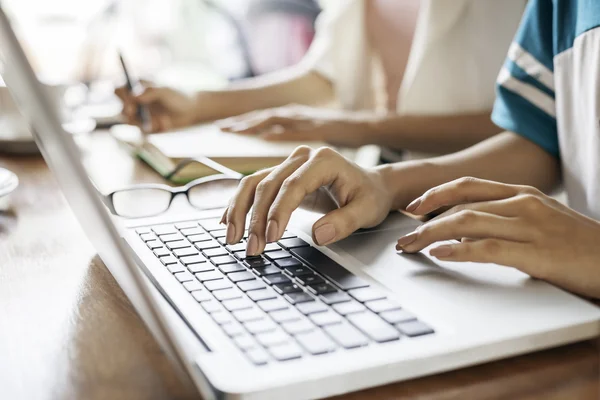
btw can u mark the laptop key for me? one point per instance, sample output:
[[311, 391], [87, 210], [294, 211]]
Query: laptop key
[[310, 279], [315, 342], [251, 285], [321, 288], [285, 288], [335, 297], [261, 294], [373, 326], [276, 279], [247, 315], [298, 326], [285, 352], [154, 244], [184, 276], [219, 251], [396, 316], [296, 270], [273, 304], [346, 335], [187, 251], [245, 342], [271, 247], [229, 268], [241, 276], [185, 225], [268, 270], [176, 268], [203, 237], [146, 237], [299, 297], [213, 224], [222, 318], [240, 255], [218, 284], [211, 306], [201, 295], [171, 237], [287, 315], [256, 262], [190, 286], [193, 231], [382, 305], [257, 356], [260, 326], [311, 307], [277, 255], [293, 243], [414, 328], [192, 259], [219, 232], [202, 267], [161, 252], [178, 244], [223, 260], [287, 262], [209, 276], [325, 318], [233, 329], [168, 260], [164, 229], [227, 294], [366, 294], [273, 338], [209, 244], [141, 231], [329, 268], [236, 247], [237, 304], [348, 307]]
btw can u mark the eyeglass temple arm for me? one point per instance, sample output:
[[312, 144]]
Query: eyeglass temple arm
[[206, 162]]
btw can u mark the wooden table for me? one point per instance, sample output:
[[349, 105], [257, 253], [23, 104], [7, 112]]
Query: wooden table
[[67, 331]]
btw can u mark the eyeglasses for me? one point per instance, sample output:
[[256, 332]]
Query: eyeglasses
[[147, 200]]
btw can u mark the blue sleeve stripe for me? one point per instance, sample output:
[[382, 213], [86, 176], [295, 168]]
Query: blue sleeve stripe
[[520, 74], [514, 113]]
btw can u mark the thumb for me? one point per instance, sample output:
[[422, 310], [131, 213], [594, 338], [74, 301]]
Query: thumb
[[339, 223], [151, 95]]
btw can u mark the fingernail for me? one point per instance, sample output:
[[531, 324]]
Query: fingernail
[[230, 235], [272, 231], [324, 234], [414, 205], [408, 239], [441, 251], [252, 246]]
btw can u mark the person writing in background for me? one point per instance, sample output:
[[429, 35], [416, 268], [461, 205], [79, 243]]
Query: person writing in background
[[547, 100], [438, 60]]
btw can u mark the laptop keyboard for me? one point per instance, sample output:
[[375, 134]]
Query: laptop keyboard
[[291, 302]]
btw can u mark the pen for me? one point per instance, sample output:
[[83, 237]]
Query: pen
[[135, 88]]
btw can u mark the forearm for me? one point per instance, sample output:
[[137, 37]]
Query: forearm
[[434, 134], [293, 85], [506, 157]]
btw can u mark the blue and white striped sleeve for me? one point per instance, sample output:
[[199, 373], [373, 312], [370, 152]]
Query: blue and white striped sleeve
[[525, 102]]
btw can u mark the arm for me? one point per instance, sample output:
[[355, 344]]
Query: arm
[[507, 158]]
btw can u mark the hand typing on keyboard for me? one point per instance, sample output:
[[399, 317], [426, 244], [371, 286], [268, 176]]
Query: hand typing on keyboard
[[362, 195]]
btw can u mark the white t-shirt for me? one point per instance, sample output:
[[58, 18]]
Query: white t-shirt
[[457, 51]]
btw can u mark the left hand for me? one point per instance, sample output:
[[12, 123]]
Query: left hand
[[510, 225], [300, 123]]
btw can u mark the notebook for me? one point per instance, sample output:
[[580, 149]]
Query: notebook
[[242, 153]]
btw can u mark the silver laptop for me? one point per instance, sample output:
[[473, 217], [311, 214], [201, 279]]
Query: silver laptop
[[301, 321]]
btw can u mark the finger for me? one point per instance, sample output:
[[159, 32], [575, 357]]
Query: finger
[[260, 232], [151, 95], [460, 191], [342, 222], [320, 171], [227, 123], [240, 205], [510, 207], [468, 223], [497, 251]]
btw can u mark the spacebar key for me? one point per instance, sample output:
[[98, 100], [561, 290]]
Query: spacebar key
[[329, 268]]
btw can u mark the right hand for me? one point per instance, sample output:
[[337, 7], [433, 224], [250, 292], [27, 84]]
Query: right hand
[[169, 109], [362, 195]]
